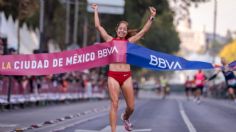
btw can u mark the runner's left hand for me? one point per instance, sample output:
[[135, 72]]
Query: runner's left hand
[[152, 11]]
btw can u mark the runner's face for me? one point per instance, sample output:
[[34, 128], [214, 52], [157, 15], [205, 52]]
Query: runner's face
[[121, 30], [223, 62]]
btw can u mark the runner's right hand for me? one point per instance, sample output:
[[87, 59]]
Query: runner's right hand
[[152, 11], [94, 7]]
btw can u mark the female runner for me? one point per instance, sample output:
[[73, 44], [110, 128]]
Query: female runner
[[119, 75]]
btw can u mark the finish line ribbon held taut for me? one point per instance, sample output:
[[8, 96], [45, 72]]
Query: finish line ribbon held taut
[[95, 56], [140, 56]]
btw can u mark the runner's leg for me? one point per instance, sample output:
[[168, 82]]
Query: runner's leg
[[114, 92], [128, 92], [231, 93]]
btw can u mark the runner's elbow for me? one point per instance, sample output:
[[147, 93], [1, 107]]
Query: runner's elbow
[[97, 26]]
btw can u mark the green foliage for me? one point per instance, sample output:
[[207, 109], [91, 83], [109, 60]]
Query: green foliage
[[54, 22], [10, 7], [162, 35], [26, 11]]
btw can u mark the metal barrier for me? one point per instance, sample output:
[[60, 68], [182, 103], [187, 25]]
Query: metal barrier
[[22, 94]]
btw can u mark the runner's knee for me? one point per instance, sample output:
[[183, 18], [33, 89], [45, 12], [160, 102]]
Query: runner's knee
[[115, 104], [231, 91]]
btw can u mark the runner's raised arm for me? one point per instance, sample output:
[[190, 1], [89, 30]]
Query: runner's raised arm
[[145, 28], [98, 26]]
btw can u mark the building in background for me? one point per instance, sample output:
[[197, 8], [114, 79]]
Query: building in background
[[191, 41], [195, 44]]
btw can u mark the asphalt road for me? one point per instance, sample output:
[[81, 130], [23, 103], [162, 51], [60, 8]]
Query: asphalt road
[[173, 114]]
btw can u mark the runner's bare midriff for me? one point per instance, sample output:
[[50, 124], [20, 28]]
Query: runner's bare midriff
[[119, 67]]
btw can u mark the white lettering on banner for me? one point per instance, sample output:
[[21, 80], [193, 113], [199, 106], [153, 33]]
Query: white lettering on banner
[[20, 65], [86, 57], [34, 65], [163, 63], [57, 62], [105, 52], [80, 58]]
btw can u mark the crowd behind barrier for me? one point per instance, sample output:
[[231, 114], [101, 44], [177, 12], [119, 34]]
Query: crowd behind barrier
[[73, 86], [35, 90]]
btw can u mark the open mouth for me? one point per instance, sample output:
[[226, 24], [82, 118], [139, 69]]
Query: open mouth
[[122, 33]]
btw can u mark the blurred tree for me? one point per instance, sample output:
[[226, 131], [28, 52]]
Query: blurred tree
[[215, 48], [26, 11], [22, 10], [162, 36], [54, 23], [228, 51]]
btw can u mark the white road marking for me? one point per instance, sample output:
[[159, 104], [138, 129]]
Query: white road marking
[[118, 129], [142, 130], [7, 125], [82, 121], [190, 126], [85, 131]]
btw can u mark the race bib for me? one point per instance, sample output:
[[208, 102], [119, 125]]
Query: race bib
[[199, 82]]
